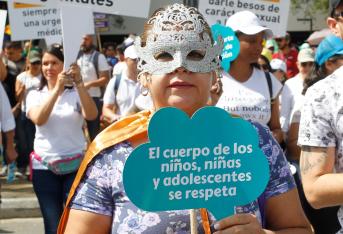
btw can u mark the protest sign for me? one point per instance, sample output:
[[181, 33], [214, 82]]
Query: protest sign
[[272, 13], [231, 44], [116, 7], [73, 32], [209, 161], [32, 22], [3, 15]]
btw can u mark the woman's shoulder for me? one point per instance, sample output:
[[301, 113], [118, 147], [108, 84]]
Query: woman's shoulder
[[113, 153]]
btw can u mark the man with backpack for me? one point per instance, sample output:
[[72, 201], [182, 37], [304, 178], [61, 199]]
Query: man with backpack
[[95, 74], [122, 90]]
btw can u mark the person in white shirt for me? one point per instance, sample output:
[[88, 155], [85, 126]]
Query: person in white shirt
[[120, 101], [246, 89], [292, 90], [58, 111], [321, 135], [95, 74], [279, 69], [7, 126], [120, 65], [27, 81]]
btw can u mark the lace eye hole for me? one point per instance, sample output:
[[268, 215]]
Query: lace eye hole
[[196, 55], [163, 57]]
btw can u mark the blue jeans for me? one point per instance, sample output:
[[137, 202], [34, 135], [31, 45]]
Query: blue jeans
[[93, 126], [52, 191]]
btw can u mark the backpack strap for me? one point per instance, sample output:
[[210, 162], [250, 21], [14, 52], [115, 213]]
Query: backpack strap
[[116, 84], [270, 85], [95, 61]]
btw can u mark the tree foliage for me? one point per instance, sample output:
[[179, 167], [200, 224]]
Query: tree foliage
[[310, 7]]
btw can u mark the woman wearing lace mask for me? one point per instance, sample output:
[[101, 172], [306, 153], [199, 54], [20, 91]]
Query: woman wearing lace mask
[[179, 65]]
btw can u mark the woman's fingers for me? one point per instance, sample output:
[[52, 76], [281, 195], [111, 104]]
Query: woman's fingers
[[239, 223]]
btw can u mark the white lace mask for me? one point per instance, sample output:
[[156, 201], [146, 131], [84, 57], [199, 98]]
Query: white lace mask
[[178, 39]]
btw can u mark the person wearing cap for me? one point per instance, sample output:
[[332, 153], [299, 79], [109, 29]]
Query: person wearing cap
[[120, 65], [95, 74], [335, 20], [321, 132], [293, 88], [247, 90], [25, 82], [122, 90], [288, 54], [14, 64], [279, 69], [271, 45]]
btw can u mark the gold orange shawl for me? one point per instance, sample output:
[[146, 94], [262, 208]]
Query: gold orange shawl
[[131, 128]]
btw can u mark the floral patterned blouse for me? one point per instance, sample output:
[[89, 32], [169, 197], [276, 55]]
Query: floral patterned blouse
[[101, 191], [321, 123]]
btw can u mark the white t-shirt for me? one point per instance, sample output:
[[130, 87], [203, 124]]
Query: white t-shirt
[[127, 93], [7, 122], [321, 123], [249, 99], [290, 94], [88, 71], [30, 82], [62, 134], [144, 102], [119, 68]]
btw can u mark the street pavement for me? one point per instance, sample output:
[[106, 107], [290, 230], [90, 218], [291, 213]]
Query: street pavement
[[18, 200], [22, 226]]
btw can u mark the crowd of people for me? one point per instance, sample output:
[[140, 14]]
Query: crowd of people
[[52, 119]]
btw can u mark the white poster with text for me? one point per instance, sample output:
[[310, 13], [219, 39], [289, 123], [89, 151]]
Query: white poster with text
[[3, 15], [29, 23], [272, 13], [135, 8]]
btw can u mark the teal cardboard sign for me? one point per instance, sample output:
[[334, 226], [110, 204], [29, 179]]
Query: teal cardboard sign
[[231, 44], [210, 161]]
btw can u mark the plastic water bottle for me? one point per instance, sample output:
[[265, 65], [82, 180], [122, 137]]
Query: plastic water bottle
[[11, 172]]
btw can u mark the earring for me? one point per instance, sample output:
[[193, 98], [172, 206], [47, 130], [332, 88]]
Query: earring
[[219, 86], [144, 90]]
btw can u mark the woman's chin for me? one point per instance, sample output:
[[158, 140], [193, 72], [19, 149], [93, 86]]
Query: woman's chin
[[186, 104]]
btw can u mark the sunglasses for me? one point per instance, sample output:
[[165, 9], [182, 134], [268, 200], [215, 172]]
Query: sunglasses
[[307, 64]]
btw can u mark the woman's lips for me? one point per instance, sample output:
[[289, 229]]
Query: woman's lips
[[180, 84]]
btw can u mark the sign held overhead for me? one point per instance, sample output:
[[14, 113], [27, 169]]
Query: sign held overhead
[[116, 7], [272, 13]]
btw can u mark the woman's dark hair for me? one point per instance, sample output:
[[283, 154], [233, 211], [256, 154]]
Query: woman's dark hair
[[57, 51], [318, 73]]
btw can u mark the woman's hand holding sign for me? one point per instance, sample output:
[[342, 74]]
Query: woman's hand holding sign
[[239, 224]]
